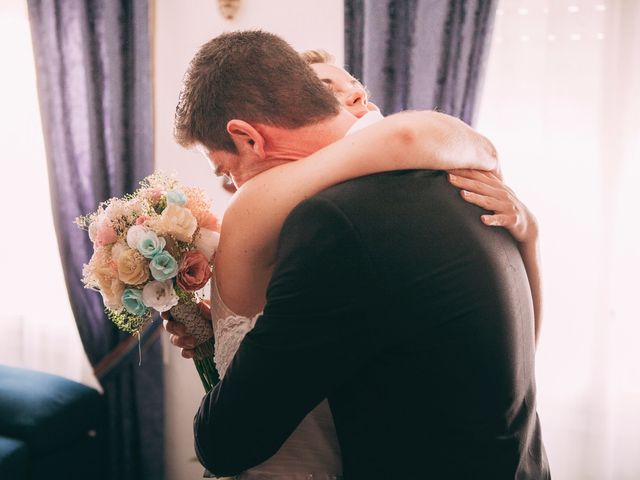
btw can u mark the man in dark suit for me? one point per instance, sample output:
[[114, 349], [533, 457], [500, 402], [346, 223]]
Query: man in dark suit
[[389, 298]]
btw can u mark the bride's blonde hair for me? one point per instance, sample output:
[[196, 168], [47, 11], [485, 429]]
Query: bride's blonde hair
[[317, 56]]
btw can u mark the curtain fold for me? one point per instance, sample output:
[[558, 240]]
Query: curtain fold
[[94, 81], [420, 54]]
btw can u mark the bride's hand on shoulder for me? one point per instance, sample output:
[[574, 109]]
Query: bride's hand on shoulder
[[488, 191]]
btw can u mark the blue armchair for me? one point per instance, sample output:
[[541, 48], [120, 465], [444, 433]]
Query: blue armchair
[[50, 427]]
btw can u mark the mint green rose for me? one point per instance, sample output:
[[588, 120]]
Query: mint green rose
[[132, 301], [163, 266], [149, 244], [177, 197]]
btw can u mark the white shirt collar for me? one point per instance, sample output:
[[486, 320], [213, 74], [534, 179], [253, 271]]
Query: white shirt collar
[[367, 119]]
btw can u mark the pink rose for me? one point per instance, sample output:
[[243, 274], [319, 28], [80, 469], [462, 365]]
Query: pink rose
[[199, 208], [141, 219], [194, 271], [153, 195], [105, 234], [208, 221]]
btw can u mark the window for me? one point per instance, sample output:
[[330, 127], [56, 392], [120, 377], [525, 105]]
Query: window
[[561, 104], [38, 329]]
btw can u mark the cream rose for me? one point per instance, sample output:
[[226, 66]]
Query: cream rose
[[207, 242], [118, 249], [178, 222], [105, 276], [111, 289], [133, 268], [93, 230]]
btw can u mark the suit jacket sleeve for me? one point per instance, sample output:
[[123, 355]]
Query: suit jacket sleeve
[[312, 336]]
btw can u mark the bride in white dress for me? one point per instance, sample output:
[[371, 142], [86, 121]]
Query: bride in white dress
[[312, 450], [252, 222]]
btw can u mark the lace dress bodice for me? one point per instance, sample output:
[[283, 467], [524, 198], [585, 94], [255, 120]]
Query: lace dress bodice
[[229, 330], [312, 451]]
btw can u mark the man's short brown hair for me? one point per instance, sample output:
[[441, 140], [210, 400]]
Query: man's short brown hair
[[253, 76]]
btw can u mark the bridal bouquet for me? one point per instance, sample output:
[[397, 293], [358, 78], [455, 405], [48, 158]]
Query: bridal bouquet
[[152, 251]]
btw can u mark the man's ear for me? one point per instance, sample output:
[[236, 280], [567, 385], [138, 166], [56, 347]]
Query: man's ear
[[246, 137]]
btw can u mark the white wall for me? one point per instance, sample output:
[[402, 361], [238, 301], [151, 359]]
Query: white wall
[[180, 28]]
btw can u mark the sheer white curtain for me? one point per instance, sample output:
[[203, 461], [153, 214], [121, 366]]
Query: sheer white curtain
[[561, 101], [37, 329]]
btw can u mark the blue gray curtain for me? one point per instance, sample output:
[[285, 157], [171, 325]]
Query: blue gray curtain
[[94, 82], [420, 54]]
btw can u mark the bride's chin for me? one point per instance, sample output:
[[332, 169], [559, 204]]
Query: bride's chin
[[361, 113]]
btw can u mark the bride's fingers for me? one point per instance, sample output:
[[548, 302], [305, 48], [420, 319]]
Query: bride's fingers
[[483, 201], [187, 353], [186, 341], [499, 220], [469, 172], [174, 327], [482, 176], [204, 309], [474, 186]]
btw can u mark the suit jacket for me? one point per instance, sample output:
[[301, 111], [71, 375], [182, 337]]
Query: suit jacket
[[391, 299]]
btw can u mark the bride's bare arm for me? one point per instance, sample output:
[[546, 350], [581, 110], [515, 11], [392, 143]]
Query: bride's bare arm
[[252, 223]]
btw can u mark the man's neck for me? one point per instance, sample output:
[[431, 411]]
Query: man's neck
[[286, 145]]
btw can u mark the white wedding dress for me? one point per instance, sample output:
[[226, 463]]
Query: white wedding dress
[[312, 451]]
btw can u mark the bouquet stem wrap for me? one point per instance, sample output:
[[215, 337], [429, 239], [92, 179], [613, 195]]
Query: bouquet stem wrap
[[189, 315]]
